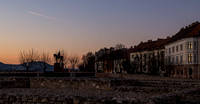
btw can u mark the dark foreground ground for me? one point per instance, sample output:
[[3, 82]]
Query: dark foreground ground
[[138, 89]]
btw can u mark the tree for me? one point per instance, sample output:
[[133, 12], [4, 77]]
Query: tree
[[65, 57], [118, 56], [136, 64], [44, 61], [27, 58], [88, 63], [74, 60], [169, 67], [153, 63], [119, 46], [127, 66]]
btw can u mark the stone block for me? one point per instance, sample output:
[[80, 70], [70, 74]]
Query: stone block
[[44, 100]]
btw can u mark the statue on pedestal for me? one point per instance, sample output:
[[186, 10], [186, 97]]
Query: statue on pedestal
[[58, 65]]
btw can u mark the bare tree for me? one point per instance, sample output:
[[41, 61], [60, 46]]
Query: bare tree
[[119, 46], [44, 60], [27, 58], [169, 68], [118, 58], [74, 60]]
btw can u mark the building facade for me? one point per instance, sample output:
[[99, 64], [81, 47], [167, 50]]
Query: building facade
[[149, 57], [182, 52], [177, 56], [111, 61]]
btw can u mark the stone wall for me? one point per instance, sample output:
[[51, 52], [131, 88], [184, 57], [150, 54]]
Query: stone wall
[[74, 83], [132, 89], [11, 82], [7, 99], [188, 96]]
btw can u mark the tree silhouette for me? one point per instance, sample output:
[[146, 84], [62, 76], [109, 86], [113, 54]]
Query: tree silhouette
[[119, 46], [88, 62], [44, 61], [74, 60], [27, 58]]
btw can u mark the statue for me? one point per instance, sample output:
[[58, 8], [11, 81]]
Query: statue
[[58, 65], [58, 57]]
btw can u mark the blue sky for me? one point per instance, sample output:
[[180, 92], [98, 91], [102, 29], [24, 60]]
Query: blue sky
[[80, 26]]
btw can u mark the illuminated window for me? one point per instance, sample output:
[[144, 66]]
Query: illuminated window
[[190, 45], [189, 58]]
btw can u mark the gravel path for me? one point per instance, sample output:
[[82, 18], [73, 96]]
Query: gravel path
[[97, 94]]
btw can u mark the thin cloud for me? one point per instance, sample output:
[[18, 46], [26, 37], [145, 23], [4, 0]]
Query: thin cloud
[[44, 16]]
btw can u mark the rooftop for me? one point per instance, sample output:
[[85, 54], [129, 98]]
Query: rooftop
[[192, 30]]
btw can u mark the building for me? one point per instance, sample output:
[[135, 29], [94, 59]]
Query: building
[[149, 57], [182, 52], [100, 58], [111, 61]]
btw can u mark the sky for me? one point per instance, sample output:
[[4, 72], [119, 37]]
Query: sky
[[81, 26]]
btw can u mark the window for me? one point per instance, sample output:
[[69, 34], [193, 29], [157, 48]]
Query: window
[[140, 56], [132, 56], [172, 49], [176, 58], [195, 60], [181, 58], [145, 56], [195, 45], [144, 68], [181, 72], [172, 59], [176, 48], [169, 50], [190, 71], [181, 47], [189, 58], [169, 59], [177, 72], [162, 54], [136, 58], [189, 45]]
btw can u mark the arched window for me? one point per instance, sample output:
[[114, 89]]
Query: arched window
[[190, 71]]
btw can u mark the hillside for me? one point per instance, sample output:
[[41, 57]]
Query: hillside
[[18, 67]]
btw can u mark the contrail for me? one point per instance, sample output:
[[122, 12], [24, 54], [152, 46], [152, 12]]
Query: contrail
[[41, 15]]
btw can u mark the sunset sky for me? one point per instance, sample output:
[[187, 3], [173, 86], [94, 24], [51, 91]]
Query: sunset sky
[[80, 26]]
